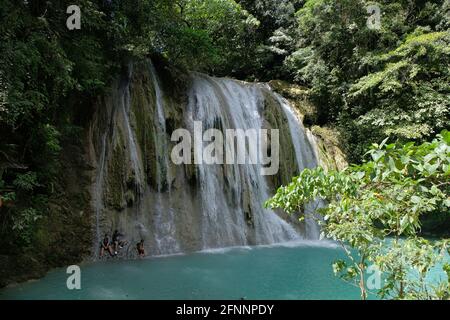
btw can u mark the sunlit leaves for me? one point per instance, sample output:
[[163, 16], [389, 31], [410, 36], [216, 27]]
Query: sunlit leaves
[[380, 199], [409, 97]]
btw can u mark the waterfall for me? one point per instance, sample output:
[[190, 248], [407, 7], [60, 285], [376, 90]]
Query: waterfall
[[165, 229], [98, 193], [227, 104], [125, 104], [162, 163], [175, 208], [307, 157]]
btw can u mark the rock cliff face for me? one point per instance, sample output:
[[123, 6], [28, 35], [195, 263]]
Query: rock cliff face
[[326, 139], [140, 191]]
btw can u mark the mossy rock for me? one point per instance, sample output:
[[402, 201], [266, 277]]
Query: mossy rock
[[116, 178], [330, 153], [130, 198], [298, 97], [276, 119]]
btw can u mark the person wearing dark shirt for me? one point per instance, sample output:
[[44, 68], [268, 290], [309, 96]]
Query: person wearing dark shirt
[[105, 245], [140, 249]]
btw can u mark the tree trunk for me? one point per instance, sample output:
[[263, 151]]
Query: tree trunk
[[362, 284]]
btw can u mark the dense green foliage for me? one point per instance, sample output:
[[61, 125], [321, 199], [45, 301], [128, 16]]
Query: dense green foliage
[[376, 207], [374, 83]]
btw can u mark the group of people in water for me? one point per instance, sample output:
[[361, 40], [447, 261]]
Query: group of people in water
[[117, 242]]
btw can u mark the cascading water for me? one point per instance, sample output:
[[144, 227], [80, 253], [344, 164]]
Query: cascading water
[[227, 104], [165, 229], [307, 157], [125, 109], [188, 207], [98, 192], [118, 114]]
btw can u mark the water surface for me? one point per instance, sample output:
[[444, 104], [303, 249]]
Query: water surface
[[300, 270], [296, 270]]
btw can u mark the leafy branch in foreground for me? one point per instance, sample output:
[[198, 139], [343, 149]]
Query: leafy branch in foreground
[[374, 211]]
